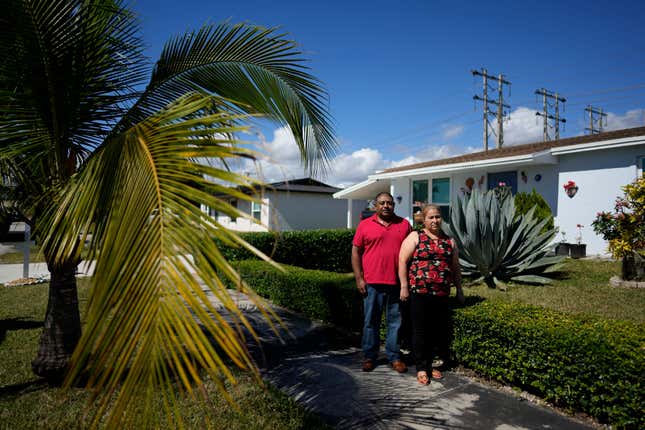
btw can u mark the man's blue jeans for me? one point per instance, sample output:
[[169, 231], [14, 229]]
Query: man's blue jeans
[[380, 297]]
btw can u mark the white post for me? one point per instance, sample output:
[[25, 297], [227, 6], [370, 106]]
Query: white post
[[25, 253], [350, 214]]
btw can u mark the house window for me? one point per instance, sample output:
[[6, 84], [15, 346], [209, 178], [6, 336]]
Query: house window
[[256, 210], [212, 213], [441, 196], [419, 196]]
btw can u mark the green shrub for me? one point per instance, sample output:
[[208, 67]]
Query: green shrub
[[311, 249], [525, 201], [327, 296], [584, 363]]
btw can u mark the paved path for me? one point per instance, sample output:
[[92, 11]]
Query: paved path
[[10, 272], [320, 368]]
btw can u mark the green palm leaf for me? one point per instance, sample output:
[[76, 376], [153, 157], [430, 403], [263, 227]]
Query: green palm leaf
[[261, 71], [150, 319]]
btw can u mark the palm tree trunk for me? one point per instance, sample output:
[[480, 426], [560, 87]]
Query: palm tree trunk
[[62, 328]]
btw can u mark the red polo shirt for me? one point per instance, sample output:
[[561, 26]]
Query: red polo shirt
[[381, 245]]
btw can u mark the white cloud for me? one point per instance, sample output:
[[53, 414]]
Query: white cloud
[[631, 118], [522, 127], [451, 131], [280, 160]]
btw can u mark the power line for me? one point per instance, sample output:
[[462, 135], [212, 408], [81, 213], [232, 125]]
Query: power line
[[499, 103], [546, 95], [592, 120]]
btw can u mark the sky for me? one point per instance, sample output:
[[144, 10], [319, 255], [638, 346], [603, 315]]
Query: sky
[[398, 73]]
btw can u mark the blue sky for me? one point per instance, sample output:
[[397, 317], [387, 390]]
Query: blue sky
[[398, 73]]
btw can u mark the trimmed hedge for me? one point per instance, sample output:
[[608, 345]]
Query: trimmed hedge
[[329, 250], [326, 296], [584, 363]]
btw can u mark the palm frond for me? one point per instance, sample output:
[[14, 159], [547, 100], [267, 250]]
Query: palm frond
[[150, 317], [257, 68], [68, 72]]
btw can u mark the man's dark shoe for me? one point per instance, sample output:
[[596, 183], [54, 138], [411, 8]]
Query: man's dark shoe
[[399, 366], [368, 365]]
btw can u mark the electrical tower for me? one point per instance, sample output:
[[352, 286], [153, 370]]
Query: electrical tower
[[592, 120], [499, 103], [546, 94]]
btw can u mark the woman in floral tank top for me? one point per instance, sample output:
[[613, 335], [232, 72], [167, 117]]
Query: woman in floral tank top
[[428, 267]]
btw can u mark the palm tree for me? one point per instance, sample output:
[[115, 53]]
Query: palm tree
[[118, 165]]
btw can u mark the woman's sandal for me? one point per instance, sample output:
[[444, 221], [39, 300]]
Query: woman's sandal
[[422, 378], [436, 374]]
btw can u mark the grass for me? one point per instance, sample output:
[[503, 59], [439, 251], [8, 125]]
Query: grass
[[27, 403], [582, 288], [35, 256]]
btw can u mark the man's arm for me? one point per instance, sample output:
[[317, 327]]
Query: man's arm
[[357, 267]]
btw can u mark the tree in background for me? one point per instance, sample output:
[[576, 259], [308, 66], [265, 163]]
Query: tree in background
[[116, 163]]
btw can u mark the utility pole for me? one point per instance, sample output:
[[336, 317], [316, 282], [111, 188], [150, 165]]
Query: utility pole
[[499, 103], [546, 94], [592, 120]]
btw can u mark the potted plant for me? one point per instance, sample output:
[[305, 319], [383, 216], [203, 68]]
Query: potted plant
[[562, 248], [578, 249]]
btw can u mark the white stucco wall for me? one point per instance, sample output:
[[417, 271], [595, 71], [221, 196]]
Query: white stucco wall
[[307, 211], [599, 176], [402, 188]]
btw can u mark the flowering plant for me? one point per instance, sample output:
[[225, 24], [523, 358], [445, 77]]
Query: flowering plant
[[625, 228], [569, 184]]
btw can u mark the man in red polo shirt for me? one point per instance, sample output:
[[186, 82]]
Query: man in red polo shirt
[[375, 257]]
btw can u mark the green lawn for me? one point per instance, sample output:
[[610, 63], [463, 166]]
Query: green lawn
[[582, 287], [35, 256], [27, 403]]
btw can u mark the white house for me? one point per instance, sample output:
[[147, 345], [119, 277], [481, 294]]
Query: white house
[[599, 165], [299, 204]]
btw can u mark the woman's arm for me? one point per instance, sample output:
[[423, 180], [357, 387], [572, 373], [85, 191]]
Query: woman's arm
[[456, 272], [407, 249]]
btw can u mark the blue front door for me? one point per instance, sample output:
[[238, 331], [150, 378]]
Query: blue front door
[[508, 178]]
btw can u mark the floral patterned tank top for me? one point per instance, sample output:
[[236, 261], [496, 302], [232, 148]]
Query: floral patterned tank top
[[430, 269]]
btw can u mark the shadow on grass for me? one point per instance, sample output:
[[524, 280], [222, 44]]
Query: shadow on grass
[[17, 324], [16, 390]]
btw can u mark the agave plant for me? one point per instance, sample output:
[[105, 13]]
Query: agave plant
[[496, 243]]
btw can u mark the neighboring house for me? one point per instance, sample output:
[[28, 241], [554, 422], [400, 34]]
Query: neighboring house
[[599, 165], [299, 204]]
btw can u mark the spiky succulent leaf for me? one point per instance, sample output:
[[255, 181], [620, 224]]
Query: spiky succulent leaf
[[495, 243]]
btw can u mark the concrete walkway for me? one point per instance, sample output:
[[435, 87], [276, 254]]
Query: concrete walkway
[[320, 368]]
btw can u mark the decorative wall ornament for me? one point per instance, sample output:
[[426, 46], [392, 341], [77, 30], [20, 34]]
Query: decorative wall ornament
[[524, 177], [469, 183], [481, 181], [537, 177], [570, 188]]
